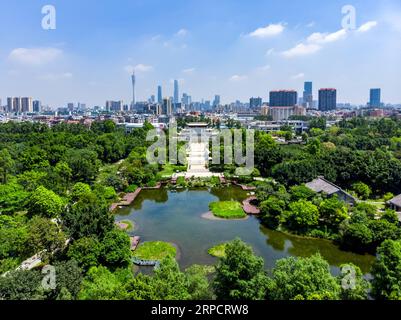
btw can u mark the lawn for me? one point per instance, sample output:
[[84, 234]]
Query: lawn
[[227, 210], [130, 225], [156, 250], [169, 169], [218, 251]]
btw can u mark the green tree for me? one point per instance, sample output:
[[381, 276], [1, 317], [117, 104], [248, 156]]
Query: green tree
[[44, 234], [386, 271], [101, 284], [45, 203], [88, 217], [12, 197], [362, 190], [116, 249], [13, 236], [353, 285], [356, 236], [79, 191], [333, 211], [272, 211], [301, 192], [303, 278], [302, 215], [168, 282], [68, 280], [21, 285], [6, 164], [199, 287], [86, 251], [240, 274]]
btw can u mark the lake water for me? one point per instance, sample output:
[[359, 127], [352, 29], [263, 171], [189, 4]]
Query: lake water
[[176, 217]]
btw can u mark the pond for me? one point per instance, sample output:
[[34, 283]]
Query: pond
[[176, 217]]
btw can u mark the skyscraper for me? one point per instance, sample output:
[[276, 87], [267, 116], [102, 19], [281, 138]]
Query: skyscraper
[[26, 104], [375, 98], [176, 92], [159, 95], [255, 103], [216, 101], [283, 98], [37, 106], [308, 94], [133, 88], [167, 107], [10, 104], [327, 99]]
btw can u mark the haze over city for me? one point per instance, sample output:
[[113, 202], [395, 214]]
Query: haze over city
[[259, 47]]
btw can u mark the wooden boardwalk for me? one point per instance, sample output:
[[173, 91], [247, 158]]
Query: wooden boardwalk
[[126, 201], [250, 208]]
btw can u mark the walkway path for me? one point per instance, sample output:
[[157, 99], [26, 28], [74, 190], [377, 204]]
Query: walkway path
[[198, 159]]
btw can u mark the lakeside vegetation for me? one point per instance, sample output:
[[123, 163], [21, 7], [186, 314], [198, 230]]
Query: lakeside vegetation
[[56, 184], [155, 250], [227, 210], [218, 251]]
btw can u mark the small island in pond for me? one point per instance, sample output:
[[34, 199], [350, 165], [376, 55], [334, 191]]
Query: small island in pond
[[155, 250], [227, 210], [218, 251]]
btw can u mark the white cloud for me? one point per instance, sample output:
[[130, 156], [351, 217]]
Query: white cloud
[[322, 38], [311, 24], [138, 68], [182, 33], [298, 76], [314, 43], [302, 50], [367, 26], [35, 56], [189, 70], [55, 76], [270, 30], [236, 78]]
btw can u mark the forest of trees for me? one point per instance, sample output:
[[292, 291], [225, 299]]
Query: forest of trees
[[56, 185]]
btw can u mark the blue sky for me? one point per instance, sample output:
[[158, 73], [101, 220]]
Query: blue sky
[[234, 48]]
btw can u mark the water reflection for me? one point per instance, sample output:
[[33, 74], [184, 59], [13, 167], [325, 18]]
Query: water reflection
[[176, 216]]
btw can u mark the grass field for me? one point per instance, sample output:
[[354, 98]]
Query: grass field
[[227, 210], [155, 250], [218, 251]]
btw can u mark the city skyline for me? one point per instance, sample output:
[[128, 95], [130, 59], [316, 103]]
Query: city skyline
[[276, 49]]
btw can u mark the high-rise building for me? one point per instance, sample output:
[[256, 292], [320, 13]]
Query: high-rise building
[[308, 94], [283, 98], [37, 106], [176, 92], [10, 104], [133, 78], [375, 98], [26, 104], [167, 107], [255, 103], [114, 106], [216, 101], [327, 99], [186, 99], [70, 106], [14, 104], [159, 95]]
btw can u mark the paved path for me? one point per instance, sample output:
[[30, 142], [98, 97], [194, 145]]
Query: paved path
[[198, 158]]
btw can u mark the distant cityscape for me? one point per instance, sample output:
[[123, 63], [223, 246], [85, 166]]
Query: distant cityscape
[[283, 105]]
